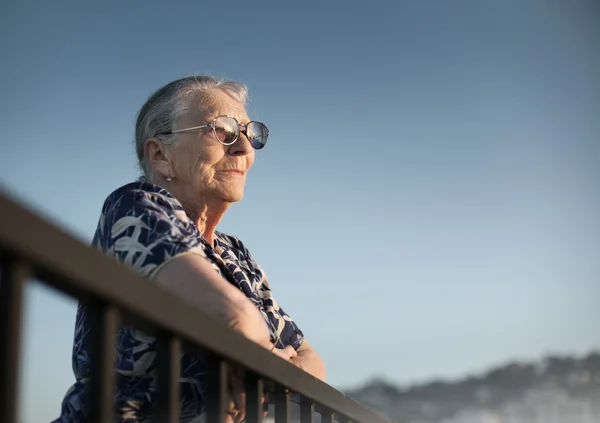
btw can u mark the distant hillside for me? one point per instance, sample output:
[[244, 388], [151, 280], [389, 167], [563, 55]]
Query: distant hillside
[[438, 400]]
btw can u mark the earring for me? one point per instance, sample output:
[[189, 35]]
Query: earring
[[169, 177]]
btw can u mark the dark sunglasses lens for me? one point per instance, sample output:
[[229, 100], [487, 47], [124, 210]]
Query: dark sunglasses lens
[[226, 129], [257, 134]]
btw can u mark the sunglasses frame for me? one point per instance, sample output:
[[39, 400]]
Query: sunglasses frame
[[242, 128]]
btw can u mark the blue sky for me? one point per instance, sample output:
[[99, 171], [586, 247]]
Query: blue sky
[[429, 201]]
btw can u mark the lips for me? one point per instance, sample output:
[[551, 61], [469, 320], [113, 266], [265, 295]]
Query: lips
[[234, 171]]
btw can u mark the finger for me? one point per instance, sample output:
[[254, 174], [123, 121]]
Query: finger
[[237, 417], [282, 353], [293, 353], [265, 404], [236, 384], [286, 353], [233, 418], [240, 402], [241, 416], [234, 414], [237, 398], [232, 405], [231, 410]]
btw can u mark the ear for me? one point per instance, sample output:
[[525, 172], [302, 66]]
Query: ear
[[158, 157]]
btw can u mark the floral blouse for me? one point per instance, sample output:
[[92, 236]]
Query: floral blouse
[[144, 227]]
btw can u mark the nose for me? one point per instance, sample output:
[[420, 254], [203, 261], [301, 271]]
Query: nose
[[241, 146]]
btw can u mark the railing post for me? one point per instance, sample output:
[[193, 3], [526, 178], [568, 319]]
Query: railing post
[[104, 323], [13, 275], [216, 389], [254, 398], [307, 410], [327, 416], [169, 370], [282, 404]]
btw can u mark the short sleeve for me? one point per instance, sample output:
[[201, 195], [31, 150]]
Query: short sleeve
[[292, 335], [144, 230]]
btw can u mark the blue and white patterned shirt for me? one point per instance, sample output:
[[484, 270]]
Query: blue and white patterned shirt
[[144, 227]]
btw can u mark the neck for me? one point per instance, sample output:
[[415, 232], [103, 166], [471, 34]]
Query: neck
[[206, 215]]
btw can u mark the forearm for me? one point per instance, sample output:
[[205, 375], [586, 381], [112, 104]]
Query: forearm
[[193, 278], [246, 319], [311, 362]]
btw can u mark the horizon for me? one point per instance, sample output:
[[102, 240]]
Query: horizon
[[465, 376], [429, 200]]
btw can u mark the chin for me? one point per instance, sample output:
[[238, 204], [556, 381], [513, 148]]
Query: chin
[[233, 196]]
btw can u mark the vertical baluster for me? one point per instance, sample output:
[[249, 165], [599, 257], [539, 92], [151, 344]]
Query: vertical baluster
[[327, 416], [13, 275], [282, 405], [307, 410], [254, 395], [169, 369], [216, 389], [104, 325]]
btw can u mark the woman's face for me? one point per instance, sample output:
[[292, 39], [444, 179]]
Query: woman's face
[[203, 167]]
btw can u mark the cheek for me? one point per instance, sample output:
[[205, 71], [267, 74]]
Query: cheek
[[209, 156], [206, 159], [251, 158], [190, 164]]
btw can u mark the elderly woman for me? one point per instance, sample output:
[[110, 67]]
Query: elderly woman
[[195, 144]]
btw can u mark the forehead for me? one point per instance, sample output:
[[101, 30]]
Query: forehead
[[217, 103]]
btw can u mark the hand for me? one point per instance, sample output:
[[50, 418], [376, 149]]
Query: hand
[[287, 353], [237, 395], [236, 409]]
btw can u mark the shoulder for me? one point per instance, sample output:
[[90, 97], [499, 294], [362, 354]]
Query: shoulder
[[144, 226], [140, 196]]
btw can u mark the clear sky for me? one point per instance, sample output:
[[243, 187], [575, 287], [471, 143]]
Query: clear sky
[[428, 204]]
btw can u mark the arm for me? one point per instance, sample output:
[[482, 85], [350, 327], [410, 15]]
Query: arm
[[310, 361], [149, 232], [192, 277], [291, 344]]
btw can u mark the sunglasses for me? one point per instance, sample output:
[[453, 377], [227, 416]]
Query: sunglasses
[[227, 131]]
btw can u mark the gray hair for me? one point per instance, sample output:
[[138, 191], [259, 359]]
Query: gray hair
[[169, 103]]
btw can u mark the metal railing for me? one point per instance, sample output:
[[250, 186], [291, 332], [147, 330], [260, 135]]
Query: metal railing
[[33, 248]]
